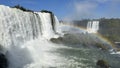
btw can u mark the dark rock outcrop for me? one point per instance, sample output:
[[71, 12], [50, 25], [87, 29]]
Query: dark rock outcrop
[[45, 11], [3, 61], [102, 64]]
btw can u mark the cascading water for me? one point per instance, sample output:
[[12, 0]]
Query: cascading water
[[18, 27], [28, 40], [93, 26], [47, 32]]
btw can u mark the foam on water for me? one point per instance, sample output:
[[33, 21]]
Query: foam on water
[[25, 37], [33, 54]]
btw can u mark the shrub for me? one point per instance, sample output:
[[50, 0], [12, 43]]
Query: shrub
[[46, 11], [22, 8]]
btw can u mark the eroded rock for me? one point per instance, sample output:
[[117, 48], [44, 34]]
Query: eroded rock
[[102, 64], [3, 61]]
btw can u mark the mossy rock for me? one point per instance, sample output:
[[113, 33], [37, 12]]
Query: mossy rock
[[102, 64], [56, 40]]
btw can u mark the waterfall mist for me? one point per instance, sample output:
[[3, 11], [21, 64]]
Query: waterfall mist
[[38, 40], [18, 27]]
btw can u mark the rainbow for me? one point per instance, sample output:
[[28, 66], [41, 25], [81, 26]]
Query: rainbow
[[75, 26], [105, 39], [98, 35]]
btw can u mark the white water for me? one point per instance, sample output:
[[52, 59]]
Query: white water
[[34, 54], [46, 26], [24, 36], [93, 26]]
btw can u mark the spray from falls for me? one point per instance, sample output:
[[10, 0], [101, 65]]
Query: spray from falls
[[25, 36], [18, 27]]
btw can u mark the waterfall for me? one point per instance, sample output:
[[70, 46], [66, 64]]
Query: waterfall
[[92, 26], [28, 40], [18, 27], [48, 29]]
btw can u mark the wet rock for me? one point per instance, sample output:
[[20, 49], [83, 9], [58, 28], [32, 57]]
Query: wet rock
[[3, 61], [56, 40], [102, 64]]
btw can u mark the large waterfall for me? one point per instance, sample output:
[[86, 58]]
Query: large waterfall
[[17, 27], [93, 26], [37, 40]]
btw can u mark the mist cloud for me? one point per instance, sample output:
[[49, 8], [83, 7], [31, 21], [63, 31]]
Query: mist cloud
[[91, 9]]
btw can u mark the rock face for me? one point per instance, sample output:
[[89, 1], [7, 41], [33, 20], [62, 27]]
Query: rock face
[[3, 61], [102, 64]]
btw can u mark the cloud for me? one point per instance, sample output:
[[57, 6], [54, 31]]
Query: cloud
[[101, 1], [81, 10], [93, 9], [84, 8]]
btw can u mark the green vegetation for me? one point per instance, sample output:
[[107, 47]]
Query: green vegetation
[[22, 8], [81, 40], [82, 23], [46, 11], [109, 28]]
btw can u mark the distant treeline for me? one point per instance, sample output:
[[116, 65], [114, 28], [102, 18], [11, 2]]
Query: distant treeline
[[28, 10], [22, 8], [109, 28]]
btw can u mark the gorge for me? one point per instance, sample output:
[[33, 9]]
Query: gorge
[[38, 40]]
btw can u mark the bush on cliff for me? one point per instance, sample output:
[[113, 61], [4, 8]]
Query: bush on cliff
[[22, 8], [46, 11]]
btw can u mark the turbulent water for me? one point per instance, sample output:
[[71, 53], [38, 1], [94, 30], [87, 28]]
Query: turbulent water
[[18, 27], [26, 38]]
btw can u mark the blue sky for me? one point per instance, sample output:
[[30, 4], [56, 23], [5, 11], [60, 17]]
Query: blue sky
[[72, 9]]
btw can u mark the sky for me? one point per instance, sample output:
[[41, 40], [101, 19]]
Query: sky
[[72, 9]]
